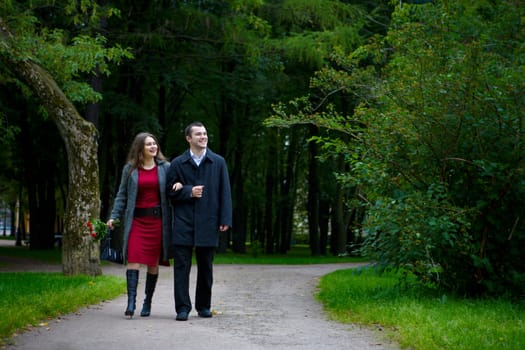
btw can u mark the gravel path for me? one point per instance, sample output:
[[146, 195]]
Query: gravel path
[[257, 306]]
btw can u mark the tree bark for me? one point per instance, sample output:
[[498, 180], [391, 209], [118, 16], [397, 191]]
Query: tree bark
[[240, 214], [339, 227], [269, 210], [313, 194], [80, 254], [289, 193]]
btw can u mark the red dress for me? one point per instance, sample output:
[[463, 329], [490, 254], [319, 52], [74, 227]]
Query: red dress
[[145, 237]]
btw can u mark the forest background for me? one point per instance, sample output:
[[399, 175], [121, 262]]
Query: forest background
[[392, 129]]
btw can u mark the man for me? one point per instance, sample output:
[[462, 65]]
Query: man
[[202, 209]]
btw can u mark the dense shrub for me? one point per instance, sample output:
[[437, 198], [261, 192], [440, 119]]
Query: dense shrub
[[447, 139]]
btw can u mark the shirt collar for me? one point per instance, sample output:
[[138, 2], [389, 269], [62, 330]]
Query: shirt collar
[[197, 159]]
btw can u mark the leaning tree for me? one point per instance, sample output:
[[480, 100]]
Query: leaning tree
[[31, 55]]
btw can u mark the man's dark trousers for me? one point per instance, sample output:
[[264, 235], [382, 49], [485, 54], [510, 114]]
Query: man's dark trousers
[[181, 269]]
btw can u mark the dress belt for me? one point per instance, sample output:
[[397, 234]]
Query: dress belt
[[153, 211]]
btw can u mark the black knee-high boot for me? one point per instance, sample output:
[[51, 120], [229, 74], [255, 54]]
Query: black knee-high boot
[[151, 282], [132, 277]]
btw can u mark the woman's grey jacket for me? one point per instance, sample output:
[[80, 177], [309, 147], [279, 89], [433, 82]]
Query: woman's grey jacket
[[124, 205]]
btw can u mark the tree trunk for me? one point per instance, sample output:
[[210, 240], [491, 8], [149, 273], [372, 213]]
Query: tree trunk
[[80, 255], [269, 191], [313, 194], [339, 227], [40, 146], [324, 223], [240, 212], [338, 242], [225, 123], [288, 193]]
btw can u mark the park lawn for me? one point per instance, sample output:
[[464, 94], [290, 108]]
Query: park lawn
[[31, 298], [48, 256], [300, 254], [422, 320]]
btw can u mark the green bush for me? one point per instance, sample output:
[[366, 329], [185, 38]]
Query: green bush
[[448, 139], [435, 144]]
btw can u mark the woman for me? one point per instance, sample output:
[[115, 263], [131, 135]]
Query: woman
[[141, 205]]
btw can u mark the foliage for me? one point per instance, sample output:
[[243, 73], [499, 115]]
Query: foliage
[[68, 58], [436, 142], [449, 132], [7, 131], [419, 318]]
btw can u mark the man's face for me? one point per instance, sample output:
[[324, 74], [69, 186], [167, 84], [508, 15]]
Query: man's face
[[198, 138]]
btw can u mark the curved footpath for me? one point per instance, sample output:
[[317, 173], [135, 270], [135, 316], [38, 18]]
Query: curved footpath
[[257, 307]]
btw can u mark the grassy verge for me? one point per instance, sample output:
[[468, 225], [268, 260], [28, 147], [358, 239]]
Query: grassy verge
[[30, 299], [48, 256], [421, 320], [298, 255]]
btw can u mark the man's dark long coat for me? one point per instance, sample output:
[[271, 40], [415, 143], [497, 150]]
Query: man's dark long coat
[[196, 221]]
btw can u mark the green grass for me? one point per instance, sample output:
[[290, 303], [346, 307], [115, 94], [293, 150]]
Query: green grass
[[298, 255], [33, 298], [419, 319], [48, 256]]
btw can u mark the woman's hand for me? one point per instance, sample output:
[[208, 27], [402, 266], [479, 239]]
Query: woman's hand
[[112, 223], [176, 186]]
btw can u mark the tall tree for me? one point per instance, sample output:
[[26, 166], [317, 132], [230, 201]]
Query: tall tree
[[21, 47], [308, 33], [79, 250]]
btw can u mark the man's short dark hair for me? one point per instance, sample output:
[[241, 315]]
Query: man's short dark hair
[[187, 130]]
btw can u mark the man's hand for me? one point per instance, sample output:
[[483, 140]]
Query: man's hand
[[197, 191]]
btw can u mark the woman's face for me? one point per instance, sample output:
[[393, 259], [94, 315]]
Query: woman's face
[[150, 147]]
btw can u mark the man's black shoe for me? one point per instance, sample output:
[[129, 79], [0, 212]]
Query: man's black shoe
[[182, 316], [205, 313]]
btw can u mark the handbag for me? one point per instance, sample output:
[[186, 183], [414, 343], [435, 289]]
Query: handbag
[[107, 252]]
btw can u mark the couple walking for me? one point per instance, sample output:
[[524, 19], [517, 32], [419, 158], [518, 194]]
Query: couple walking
[[167, 211]]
